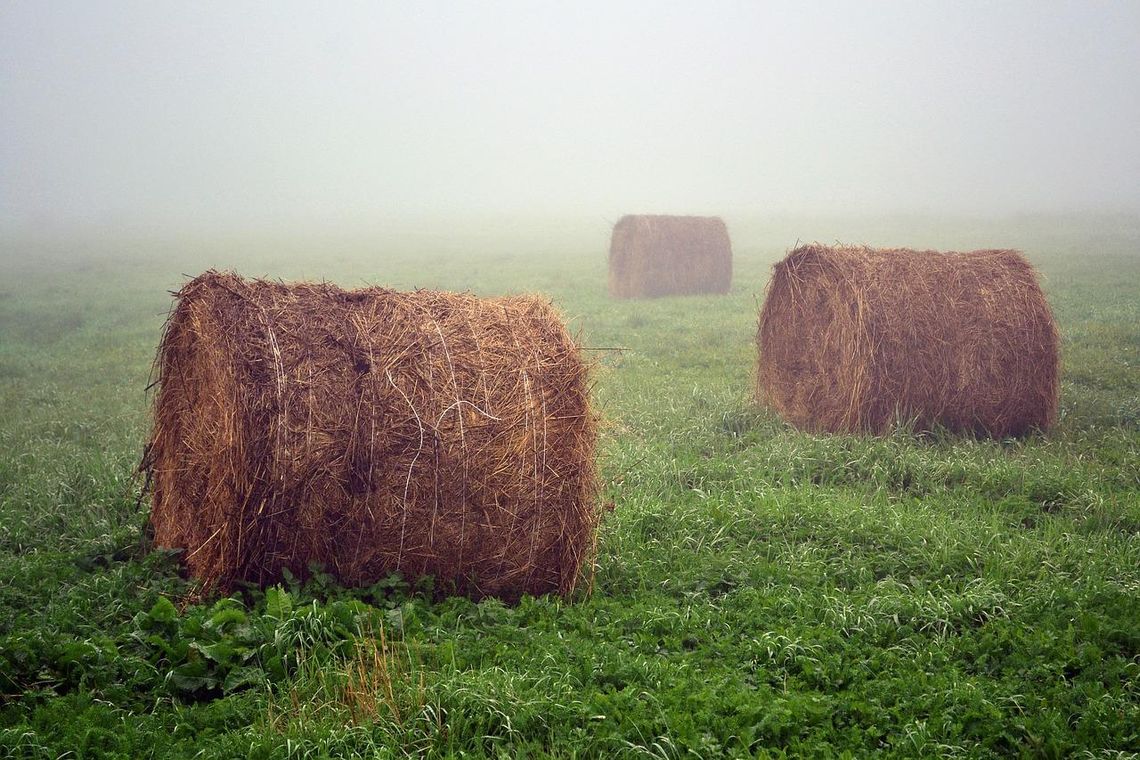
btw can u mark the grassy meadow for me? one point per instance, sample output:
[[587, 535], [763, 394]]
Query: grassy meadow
[[759, 591]]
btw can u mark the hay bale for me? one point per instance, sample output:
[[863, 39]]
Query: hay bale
[[857, 339], [669, 255], [372, 431]]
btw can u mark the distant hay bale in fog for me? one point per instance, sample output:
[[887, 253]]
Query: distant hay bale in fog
[[856, 339], [372, 431], [669, 255]]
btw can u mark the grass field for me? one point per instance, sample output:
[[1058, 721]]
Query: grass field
[[759, 591]]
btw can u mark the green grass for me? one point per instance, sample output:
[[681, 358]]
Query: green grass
[[759, 591]]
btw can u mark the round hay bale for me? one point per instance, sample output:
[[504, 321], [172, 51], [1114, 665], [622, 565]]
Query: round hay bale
[[654, 256], [861, 339], [372, 431]]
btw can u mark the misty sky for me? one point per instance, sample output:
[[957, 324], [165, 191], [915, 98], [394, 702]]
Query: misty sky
[[223, 115]]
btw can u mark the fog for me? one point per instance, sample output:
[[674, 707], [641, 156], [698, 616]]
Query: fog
[[164, 116]]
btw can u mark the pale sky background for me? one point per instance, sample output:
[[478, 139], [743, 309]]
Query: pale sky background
[[216, 115]]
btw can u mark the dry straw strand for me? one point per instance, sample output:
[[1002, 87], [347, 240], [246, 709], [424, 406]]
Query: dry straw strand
[[372, 431], [859, 339]]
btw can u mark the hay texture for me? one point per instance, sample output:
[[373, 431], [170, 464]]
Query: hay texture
[[860, 339], [372, 431], [654, 256]]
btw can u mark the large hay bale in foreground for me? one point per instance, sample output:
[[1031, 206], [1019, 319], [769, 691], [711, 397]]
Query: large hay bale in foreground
[[669, 255], [857, 339], [372, 431]]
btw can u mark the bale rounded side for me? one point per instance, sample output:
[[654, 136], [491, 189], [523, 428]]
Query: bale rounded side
[[856, 339], [659, 255], [371, 432]]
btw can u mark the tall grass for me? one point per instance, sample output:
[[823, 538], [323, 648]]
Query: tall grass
[[759, 591]]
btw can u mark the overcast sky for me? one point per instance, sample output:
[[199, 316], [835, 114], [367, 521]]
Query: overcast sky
[[216, 115]]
